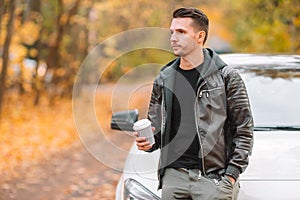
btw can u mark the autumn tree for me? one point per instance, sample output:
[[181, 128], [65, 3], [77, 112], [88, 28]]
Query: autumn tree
[[264, 25], [10, 6], [58, 34]]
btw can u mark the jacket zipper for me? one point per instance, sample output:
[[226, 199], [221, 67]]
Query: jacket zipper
[[199, 94], [202, 92], [162, 129], [163, 117]]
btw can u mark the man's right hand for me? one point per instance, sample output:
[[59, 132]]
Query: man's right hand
[[141, 142]]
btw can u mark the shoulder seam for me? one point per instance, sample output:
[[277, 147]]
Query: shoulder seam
[[227, 70]]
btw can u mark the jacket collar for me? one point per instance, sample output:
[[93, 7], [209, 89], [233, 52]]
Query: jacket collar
[[212, 63]]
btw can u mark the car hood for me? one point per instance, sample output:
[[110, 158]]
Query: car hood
[[145, 164], [275, 156]]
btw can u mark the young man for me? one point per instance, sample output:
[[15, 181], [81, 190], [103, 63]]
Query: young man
[[201, 116]]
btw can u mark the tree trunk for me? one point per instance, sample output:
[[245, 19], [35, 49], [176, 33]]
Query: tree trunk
[[31, 7], [54, 58], [5, 56], [2, 9]]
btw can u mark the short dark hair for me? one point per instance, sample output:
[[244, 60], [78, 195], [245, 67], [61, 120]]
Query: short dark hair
[[198, 17]]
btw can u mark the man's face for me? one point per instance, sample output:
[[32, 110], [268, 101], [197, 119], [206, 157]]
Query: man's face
[[184, 37]]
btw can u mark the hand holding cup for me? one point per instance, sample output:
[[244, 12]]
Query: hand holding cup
[[144, 134]]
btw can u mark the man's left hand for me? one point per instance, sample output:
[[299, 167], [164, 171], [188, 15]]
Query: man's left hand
[[231, 179]]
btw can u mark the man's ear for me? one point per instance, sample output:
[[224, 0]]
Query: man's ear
[[201, 36]]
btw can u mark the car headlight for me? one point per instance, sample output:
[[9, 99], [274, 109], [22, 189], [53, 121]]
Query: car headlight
[[133, 190]]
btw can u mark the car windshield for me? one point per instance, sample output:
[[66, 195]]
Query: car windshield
[[274, 95]]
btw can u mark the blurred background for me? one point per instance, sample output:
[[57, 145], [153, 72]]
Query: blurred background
[[42, 46]]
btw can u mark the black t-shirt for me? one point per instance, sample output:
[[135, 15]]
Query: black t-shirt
[[184, 142]]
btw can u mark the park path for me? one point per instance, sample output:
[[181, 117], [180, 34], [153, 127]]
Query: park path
[[73, 174]]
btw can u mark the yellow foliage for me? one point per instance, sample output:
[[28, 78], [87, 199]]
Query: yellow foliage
[[33, 52], [296, 21], [60, 72], [63, 19], [29, 134], [3, 31], [126, 69], [2, 36], [217, 23], [29, 32], [17, 53], [79, 20]]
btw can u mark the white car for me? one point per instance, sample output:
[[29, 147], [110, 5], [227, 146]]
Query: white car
[[273, 84]]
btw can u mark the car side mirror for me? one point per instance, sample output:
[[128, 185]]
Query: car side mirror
[[124, 120]]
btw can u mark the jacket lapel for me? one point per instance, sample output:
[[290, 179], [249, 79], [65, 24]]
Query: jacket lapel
[[168, 75]]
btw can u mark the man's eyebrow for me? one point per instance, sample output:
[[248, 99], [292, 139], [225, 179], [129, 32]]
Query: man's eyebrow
[[181, 29], [178, 29]]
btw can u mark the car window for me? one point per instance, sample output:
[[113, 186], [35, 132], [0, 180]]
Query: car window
[[274, 96]]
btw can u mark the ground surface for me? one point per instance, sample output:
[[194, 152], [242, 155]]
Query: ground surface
[[74, 174]]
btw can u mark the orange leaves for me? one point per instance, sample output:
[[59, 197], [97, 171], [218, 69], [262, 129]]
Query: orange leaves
[[29, 133], [29, 32]]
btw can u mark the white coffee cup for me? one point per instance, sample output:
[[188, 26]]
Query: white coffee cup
[[144, 129]]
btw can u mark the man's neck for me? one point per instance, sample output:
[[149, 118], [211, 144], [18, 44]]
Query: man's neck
[[192, 60]]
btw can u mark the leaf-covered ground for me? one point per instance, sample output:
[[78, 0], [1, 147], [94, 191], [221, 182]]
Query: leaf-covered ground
[[73, 174], [42, 156]]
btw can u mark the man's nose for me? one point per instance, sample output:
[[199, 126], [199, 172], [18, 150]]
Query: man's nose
[[173, 37]]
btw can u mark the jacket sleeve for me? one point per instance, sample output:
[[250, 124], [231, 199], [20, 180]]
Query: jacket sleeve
[[154, 112], [240, 123]]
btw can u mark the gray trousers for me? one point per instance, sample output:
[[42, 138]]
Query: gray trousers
[[190, 184]]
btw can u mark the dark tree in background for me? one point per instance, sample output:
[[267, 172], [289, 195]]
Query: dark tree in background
[[9, 7]]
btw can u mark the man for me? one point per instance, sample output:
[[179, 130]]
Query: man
[[201, 116]]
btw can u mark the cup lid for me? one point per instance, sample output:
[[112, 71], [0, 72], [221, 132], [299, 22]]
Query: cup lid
[[141, 124]]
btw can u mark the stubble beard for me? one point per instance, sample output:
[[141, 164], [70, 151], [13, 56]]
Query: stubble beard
[[179, 53]]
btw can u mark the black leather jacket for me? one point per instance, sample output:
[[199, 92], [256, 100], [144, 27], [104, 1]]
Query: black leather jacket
[[223, 117]]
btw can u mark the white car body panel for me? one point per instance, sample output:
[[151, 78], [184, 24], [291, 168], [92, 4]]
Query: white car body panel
[[274, 168], [273, 172]]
